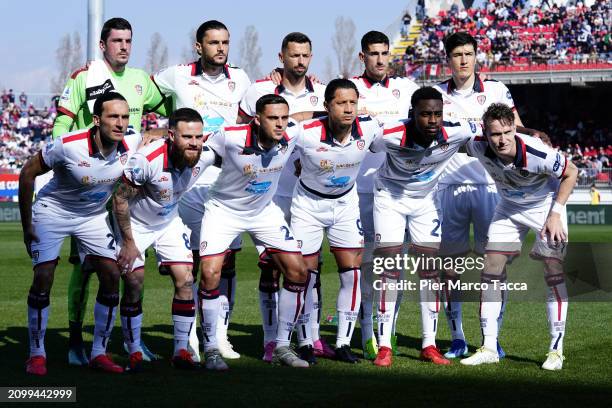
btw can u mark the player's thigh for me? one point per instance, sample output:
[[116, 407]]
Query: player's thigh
[[543, 248], [284, 203], [219, 229], [366, 216], [270, 229], [95, 236], [172, 246], [454, 201], [484, 202], [505, 235], [308, 225], [345, 235], [51, 233], [144, 236], [425, 223], [389, 220], [192, 218]]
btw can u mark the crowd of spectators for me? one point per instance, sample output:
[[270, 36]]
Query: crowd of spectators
[[23, 129], [510, 32]]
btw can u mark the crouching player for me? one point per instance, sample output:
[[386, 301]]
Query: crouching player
[[86, 165], [526, 172], [145, 209]]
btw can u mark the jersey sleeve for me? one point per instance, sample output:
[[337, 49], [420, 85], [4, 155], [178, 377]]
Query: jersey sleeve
[[463, 130], [247, 104], [164, 80], [138, 170], [70, 103], [378, 131], [53, 153], [216, 142], [553, 164], [505, 96], [389, 131], [245, 82]]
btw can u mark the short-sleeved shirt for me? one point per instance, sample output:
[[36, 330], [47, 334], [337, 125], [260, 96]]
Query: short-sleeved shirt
[[470, 105], [413, 170], [83, 178], [388, 101], [216, 98], [160, 183], [134, 84], [309, 99], [249, 174], [531, 178], [330, 169]]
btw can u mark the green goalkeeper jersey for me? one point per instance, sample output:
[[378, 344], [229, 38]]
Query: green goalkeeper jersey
[[134, 84]]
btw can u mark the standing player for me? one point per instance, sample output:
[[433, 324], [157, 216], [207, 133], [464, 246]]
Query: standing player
[[214, 89], [467, 192], [388, 100], [145, 209], [331, 151], [241, 201], [302, 95], [527, 173], [86, 165], [75, 111], [418, 150]]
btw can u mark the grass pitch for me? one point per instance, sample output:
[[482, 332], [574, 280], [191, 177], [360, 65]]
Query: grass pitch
[[517, 381]]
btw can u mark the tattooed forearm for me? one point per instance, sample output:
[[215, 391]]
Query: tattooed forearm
[[121, 209]]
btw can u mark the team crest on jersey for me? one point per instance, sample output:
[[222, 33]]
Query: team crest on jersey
[[481, 99], [283, 149], [322, 149], [299, 243], [444, 147], [35, 255], [203, 246], [360, 144], [250, 171], [231, 85], [524, 173], [87, 180], [396, 93], [326, 165], [193, 82], [84, 163], [66, 94], [162, 179], [123, 158], [138, 89], [377, 238], [165, 194], [313, 100], [446, 102], [195, 171]]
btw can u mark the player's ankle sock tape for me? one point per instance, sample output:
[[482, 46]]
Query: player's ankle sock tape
[[130, 309], [267, 282], [38, 300], [108, 300], [205, 294], [554, 280], [183, 307], [293, 286]]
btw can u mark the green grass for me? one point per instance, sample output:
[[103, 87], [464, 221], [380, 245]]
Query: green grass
[[517, 381]]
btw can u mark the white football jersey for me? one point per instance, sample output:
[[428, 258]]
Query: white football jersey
[[83, 179], [329, 168], [216, 98], [410, 169], [249, 174], [531, 178], [470, 105], [160, 184], [388, 101], [309, 99]]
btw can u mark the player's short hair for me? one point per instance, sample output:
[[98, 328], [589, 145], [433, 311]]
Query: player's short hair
[[184, 115], [115, 23], [209, 25], [106, 97], [498, 111], [338, 83], [269, 99], [457, 40], [295, 37], [424, 93], [373, 37]]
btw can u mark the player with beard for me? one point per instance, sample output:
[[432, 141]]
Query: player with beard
[[145, 209], [214, 89]]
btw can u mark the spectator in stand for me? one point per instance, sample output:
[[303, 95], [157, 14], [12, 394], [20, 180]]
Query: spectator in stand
[[11, 96], [406, 19], [23, 100]]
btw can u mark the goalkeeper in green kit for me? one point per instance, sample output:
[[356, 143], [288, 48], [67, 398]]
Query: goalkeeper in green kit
[[74, 112]]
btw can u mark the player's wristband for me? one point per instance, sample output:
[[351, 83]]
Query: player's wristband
[[558, 208]]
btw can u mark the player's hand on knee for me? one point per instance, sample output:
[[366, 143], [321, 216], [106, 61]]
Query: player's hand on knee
[[28, 236], [127, 256], [553, 230]]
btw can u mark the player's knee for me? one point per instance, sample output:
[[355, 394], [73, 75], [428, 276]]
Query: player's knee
[[43, 277], [495, 263], [210, 274], [553, 267], [297, 272]]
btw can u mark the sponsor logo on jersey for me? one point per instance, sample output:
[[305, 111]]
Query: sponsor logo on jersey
[[258, 188], [557, 163], [360, 144], [138, 89], [66, 94], [322, 149], [162, 179], [508, 95], [195, 171], [396, 93], [123, 158], [84, 163], [231, 86], [472, 127], [193, 82], [443, 147], [203, 246], [326, 165], [338, 181], [95, 91], [446, 102], [87, 180], [249, 170], [481, 99], [314, 100], [49, 146]]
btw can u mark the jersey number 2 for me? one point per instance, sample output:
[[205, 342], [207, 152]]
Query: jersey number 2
[[288, 236]]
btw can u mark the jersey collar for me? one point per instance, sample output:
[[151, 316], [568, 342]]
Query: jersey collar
[[369, 82], [327, 136], [520, 159], [478, 86], [280, 88], [251, 145], [122, 147], [410, 130], [197, 70]]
